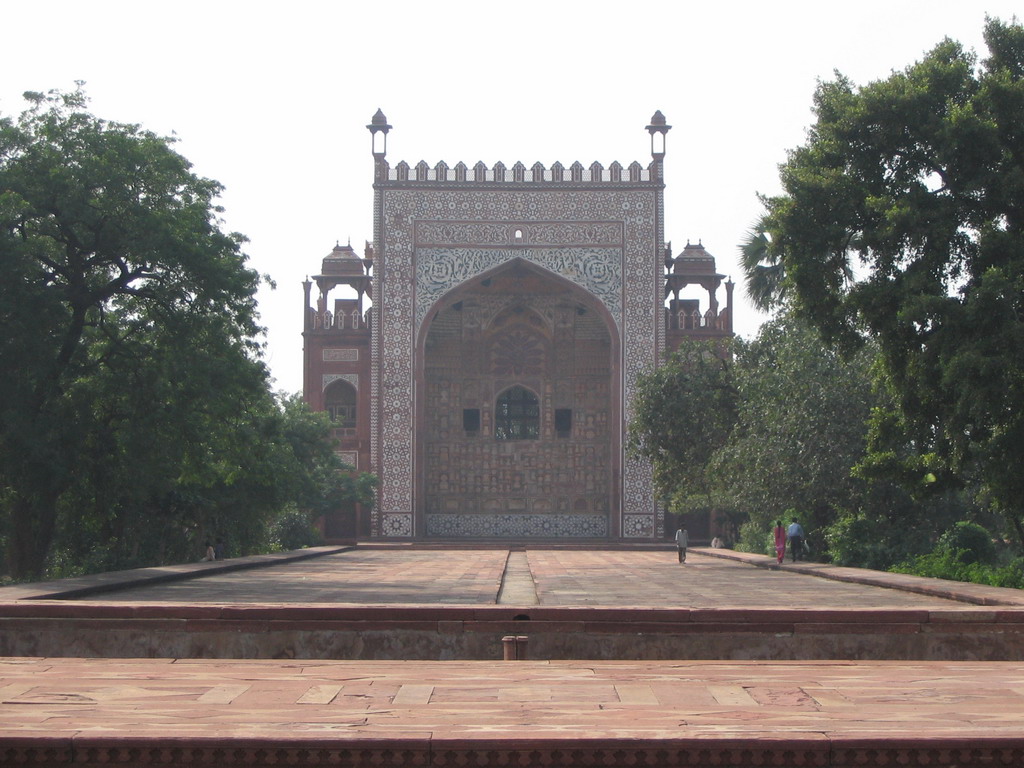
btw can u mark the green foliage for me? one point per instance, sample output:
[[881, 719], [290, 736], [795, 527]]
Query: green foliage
[[684, 411], [901, 221], [783, 445], [294, 530], [969, 542], [763, 271], [136, 419], [801, 427], [947, 564]]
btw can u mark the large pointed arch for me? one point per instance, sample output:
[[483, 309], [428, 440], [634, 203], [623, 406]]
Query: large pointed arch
[[462, 352]]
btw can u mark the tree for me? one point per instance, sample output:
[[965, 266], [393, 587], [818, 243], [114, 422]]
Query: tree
[[116, 274], [901, 220], [762, 271], [802, 426], [684, 411]]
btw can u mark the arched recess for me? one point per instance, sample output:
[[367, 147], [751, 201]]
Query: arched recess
[[517, 414], [340, 403], [518, 326]]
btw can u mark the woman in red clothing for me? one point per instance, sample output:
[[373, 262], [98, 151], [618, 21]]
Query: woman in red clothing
[[780, 541]]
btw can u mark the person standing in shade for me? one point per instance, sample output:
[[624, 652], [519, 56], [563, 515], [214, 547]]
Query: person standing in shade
[[796, 540], [780, 541], [682, 541]]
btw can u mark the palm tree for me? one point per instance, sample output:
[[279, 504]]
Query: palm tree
[[762, 268]]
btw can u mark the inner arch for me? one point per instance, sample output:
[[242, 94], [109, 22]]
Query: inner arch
[[518, 328]]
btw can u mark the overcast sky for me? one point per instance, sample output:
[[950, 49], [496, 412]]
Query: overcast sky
[[272, 99]]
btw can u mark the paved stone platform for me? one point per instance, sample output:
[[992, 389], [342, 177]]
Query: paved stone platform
[[379, 603], [634, 660], [405, 575], [56, 712]]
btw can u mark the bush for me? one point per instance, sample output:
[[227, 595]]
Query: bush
[[294, 530], [859, 541], [948, 564], [970, 542], [754, 538]]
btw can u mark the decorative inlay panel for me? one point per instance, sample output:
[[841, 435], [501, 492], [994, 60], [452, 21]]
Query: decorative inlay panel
[[396, 524], [598, 270], [546, 233], [414, 225], [349, 457], [518, 526], [638, 526], [351, 378], [341, 355]]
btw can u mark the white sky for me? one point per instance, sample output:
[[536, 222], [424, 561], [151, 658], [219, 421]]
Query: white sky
[[272, 99]]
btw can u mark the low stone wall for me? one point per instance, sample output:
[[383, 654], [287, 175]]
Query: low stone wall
[[112, 630]]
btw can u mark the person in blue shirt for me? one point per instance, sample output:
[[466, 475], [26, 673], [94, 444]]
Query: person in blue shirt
[[795, 532]]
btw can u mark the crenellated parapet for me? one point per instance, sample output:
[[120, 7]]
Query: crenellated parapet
[[500, 175], [460, 173]]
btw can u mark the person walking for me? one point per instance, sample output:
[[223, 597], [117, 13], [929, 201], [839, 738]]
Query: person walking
[[780, 541], [682, 541], [796, 540]]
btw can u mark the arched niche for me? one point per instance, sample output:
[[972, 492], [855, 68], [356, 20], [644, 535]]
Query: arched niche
[[341, 402], [518, 329]]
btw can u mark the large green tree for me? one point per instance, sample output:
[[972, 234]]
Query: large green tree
[[684, 411], [802, 426], [901, 219], [130, 334]]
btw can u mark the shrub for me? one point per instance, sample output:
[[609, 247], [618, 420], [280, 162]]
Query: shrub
[[970, 542], [294, 530]]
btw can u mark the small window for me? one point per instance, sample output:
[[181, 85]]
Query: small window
[[471, 419], [563, 422], [517, 415], [340, 404]]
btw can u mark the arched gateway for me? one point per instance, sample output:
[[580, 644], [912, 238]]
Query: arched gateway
[[519, 379], [512, 310]]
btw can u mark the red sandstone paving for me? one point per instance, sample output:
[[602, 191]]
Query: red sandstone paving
[[345, 700], [364, 576], [619, 578], [562, 577]]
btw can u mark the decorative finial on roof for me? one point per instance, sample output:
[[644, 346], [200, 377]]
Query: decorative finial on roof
[[658, 128], [379, 128]]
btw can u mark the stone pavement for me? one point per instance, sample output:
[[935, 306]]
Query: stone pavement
[[404, 575], [641, 697], [519, 713]]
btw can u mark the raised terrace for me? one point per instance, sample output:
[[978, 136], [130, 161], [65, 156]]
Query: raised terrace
[[394, 656]]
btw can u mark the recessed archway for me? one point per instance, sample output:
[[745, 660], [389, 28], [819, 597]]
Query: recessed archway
[[518, 409]]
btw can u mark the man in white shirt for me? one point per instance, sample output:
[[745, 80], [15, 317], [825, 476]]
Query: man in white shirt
[[682, 540]]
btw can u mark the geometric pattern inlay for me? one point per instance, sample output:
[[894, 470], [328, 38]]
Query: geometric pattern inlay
[[397, 525], [638, 526], [517, 526], [351, 378], [598, 270], [547, 233], [638, 297]]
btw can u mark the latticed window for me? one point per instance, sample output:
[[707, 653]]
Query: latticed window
[[517, 415], [340, 404]]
